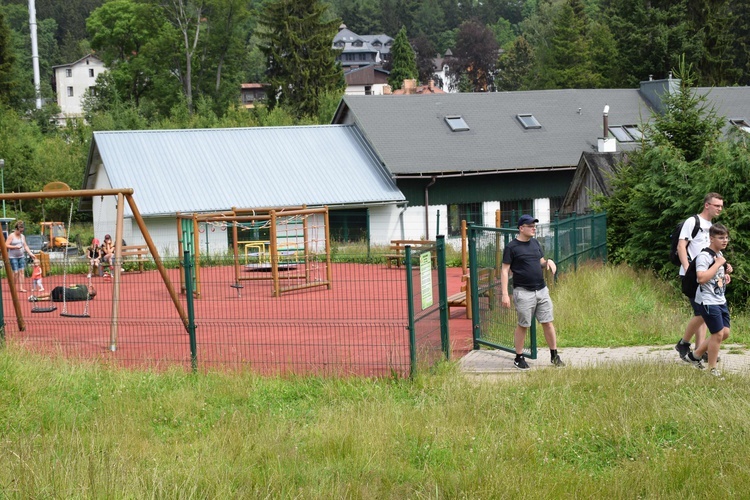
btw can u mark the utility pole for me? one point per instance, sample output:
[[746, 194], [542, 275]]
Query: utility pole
[[35, 54]]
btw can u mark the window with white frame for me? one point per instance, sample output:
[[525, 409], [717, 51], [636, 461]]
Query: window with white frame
[[70, 91], [68, 72]]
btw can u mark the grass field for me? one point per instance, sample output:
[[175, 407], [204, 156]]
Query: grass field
[[626, 431]]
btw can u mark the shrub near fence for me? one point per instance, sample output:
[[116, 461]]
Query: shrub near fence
[[358, 327]]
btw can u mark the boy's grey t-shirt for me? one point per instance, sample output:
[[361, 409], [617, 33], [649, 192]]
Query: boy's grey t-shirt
[[711, 292]]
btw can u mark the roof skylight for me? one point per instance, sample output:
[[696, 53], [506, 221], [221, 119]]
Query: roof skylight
[[528, 121], [741, 124], [456, 123]]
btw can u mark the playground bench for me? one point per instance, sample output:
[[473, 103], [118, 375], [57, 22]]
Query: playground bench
[[135, 253], [398, 252], [486, 277]]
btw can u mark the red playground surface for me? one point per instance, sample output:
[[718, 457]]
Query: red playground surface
[[358, 327]]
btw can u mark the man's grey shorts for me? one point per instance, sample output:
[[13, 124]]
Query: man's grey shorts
[[529, 303]]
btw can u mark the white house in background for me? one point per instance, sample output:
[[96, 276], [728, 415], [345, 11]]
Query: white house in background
[[443, 79], [71, 81]]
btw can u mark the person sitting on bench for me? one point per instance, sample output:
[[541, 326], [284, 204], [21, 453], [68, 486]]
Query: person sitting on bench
[[94, 254], [108, 251]]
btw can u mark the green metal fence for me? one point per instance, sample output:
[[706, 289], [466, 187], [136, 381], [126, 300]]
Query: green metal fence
[[569, 242]]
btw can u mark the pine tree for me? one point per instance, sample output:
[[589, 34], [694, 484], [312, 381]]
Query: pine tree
[[297, 44], [403, 61], [515, 65]]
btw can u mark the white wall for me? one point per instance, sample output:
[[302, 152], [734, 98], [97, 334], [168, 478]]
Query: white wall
[[80, 81], [376, 89]]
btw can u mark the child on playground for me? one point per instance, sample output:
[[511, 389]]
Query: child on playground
[[36, 277], [94, 254]]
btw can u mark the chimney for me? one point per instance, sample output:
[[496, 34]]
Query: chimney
[[606, 144], [410, 86], [431, 85], [387, 90]]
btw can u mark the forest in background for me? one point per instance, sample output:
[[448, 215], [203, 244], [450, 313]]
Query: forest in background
[[179, 63], [172, 52]]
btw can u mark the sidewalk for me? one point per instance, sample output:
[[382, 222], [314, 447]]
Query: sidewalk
[[734, 358]]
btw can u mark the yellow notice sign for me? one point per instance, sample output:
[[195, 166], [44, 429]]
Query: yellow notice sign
[[425, 272]]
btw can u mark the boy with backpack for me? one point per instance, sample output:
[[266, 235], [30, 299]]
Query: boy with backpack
[[713, 277], [690, 244]]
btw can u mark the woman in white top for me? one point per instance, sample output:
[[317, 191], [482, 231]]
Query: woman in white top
[[17, 250]]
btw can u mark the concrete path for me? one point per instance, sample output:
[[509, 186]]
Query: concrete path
[[733, 358]]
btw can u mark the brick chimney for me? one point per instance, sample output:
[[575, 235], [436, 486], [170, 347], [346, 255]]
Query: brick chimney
[[410, 86]]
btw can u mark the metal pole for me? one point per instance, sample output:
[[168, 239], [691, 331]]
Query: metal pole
[[2, 179]]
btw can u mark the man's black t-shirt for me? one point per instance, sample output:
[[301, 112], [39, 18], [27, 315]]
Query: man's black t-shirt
[[524, 258]]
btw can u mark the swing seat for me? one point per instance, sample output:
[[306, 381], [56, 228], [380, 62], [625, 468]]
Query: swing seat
[[71, 315], [43, 309]]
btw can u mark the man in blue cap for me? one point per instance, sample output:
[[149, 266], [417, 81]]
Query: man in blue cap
[[524, 257]]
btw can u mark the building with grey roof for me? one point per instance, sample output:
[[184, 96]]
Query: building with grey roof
[[361, 50], [467, 155], [211, 170]]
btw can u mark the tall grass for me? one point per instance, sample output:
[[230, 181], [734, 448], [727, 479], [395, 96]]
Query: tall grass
[[76, 430], [609, 306], [633, 431]]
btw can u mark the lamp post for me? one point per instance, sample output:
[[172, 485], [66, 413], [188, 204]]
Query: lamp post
[[2, 181]]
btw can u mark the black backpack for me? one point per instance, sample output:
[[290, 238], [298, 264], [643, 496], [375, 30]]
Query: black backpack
[[690, 280], [675, 237]]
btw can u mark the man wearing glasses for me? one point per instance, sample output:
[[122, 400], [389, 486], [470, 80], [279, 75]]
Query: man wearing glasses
[[687, 249], [524, 257]]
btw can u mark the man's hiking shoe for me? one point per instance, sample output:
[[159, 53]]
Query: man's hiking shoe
[[705, 357], [716, 373], [521, 363], [683, 350], [557, 361]]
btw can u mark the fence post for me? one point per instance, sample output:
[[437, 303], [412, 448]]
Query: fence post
[[575, 242], [443, 297], [556, 246], [592, 248], [2, 315], [473, 284], [410, 312], [188, 264]]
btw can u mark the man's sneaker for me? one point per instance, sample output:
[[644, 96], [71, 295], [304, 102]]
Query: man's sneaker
[[520, 363], [705, 357], [557, 361], [683, 350], [695, 362], [715, 372]]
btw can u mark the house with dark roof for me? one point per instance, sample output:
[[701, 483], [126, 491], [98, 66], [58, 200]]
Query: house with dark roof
[[467, 155], [366, 80], [361, 50], [213, 170]]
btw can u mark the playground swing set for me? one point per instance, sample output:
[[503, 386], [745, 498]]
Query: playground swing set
[[62, 190], [298, 237]]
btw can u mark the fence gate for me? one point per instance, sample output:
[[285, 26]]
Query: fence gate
[[427, 297], [492, 324]]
